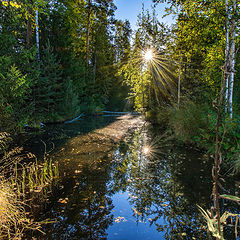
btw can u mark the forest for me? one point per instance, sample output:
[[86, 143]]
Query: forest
[[64, 59]]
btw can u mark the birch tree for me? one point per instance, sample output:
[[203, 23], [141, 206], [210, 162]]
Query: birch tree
[[226, 53], [232, 57], [37, 36], [89, 10], [230, 54]]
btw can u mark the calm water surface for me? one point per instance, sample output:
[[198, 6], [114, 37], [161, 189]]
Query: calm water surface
[[144, 187]]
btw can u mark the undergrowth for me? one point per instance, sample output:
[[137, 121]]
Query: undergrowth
[[196, 124]]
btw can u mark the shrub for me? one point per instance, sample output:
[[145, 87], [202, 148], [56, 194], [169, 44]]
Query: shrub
[[164, 116], [188, 121], [161, 115]]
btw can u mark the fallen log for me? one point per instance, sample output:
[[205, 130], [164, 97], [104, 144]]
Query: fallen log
[[120, 113], [75, 119]]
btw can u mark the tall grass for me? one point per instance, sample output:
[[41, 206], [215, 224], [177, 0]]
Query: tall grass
[[4, 140], [22, 179], [34, 178], [11, 212]]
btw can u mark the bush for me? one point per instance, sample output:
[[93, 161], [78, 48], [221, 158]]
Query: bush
[[188, 121], [196, 124], [161, 116], [164, 116]]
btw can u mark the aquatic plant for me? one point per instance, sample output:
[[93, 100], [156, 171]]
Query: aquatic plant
[[34, 178]]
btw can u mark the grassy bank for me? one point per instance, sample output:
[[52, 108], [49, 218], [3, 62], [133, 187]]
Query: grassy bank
[[25, 183]]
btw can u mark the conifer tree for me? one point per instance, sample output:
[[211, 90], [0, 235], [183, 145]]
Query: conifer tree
[[49, 88]]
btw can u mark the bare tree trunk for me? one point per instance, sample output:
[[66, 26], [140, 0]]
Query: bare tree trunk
[[233, 59], [217, 160], [88, 32], [227, 56], [179, 80], [37, 37]]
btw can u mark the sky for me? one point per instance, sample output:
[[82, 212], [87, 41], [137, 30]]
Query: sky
[[129, 9]]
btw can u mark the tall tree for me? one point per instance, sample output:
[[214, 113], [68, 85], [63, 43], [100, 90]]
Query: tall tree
[[149, 79]]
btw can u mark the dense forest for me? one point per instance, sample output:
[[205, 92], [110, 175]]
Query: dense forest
[[60, 62], [63, 58]]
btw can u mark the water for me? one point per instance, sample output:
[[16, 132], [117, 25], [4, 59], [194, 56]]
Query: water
[[145, 187]]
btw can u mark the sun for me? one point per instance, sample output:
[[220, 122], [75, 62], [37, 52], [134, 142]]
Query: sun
[[148, 55], [146, 150]]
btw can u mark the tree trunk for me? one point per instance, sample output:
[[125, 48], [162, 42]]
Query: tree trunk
[[179, 80], [232, 60], [37, 37], [226, 57], [88, 32], [94, 68]]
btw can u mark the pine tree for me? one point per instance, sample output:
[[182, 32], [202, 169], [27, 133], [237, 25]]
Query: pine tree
[[49, 88]]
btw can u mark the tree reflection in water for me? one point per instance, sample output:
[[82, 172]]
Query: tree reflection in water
[[84, 210], [164, 186]]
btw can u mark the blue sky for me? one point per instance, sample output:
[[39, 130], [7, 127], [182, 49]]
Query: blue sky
[[129, 9]]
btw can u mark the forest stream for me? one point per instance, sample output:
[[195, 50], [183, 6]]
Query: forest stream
[[120, 179]]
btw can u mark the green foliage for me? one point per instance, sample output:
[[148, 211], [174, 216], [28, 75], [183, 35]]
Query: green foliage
[[77, 68], [229, 140], [196, 124], [122, 40], [86, 56], [198, 42], [161, 116], [152, 82], [14, 89], [71, 104], [49, 88], [188, 121]]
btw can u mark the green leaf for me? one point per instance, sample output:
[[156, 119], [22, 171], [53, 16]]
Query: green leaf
[[230, 197]]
